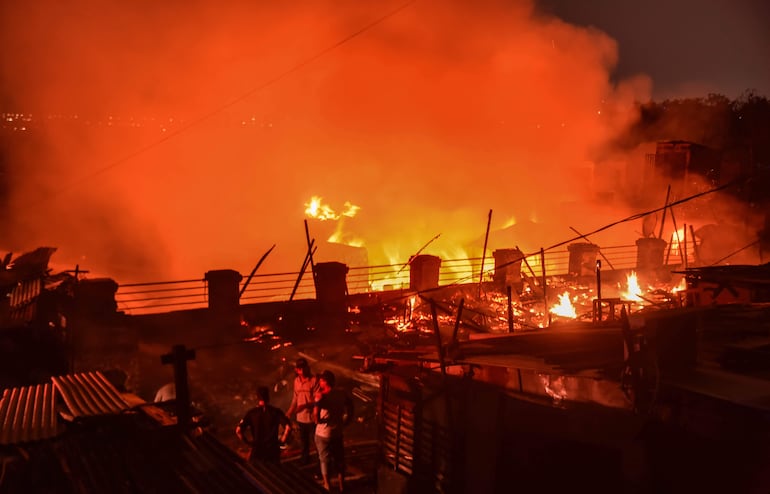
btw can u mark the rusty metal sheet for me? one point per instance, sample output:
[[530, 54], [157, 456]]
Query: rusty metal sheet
[[28, 414], [89, 394]]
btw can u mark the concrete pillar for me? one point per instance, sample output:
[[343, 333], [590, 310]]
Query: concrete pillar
[[582, 258], [507, 267], [423, 272], [224, 290], [95, 297], [331, 285]]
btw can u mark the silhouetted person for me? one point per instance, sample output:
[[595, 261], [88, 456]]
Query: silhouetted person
[[305, 388], [333, 410], [259, 429]]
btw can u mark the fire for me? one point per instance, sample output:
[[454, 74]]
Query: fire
[[564, 308], [509, 223], [634, 291], [341, 237], [318, 210], [682, 286]]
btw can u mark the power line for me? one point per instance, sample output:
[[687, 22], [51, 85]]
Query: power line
[[225, 106], [605, 227]]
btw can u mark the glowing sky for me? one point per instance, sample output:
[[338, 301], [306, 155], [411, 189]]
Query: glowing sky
[[423, 114]]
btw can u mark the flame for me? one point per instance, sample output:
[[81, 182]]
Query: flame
[[341, 237], [564, 308], [634, 291], [511, 221], [682, 286], [555, 387], [350, 209], [676, 238], [318, 210]]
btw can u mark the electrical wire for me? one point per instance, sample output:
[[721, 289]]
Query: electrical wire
[[197, 121]]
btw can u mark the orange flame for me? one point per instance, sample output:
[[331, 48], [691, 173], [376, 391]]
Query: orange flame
[[634, 291], [317, 209], [564, 308]]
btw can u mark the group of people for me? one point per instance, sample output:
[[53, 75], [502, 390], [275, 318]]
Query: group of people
[[321, 412]]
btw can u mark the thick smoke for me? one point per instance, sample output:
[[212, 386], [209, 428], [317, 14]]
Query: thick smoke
[[203, 128]]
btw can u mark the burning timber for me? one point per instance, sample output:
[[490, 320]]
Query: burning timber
[[462, 388]]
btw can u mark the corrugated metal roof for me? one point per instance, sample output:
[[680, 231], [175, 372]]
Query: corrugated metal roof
[[28, 414], [131, 454], [123, 452], [89, 394]]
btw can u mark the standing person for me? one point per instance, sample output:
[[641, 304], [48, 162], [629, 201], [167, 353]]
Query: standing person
[[333, 410], [305, 388], [259, 429]]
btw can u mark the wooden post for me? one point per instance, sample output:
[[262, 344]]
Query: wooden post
[[308, 256], [684, 233], [417, 254], [510, 310], [542, 268], [678, 240], [599, 290], [526, 263], [484, 252], [438, 336], [178, 359], [457, 321], [668, 253], [600, 250], [310, 253], [253, 271], [694, 246], [665, 206]]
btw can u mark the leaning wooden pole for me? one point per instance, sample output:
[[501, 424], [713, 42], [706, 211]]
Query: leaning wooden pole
[[254, 271], [678, 240], [545, 291], [308, 256], [529, 268], [509, 292], [684, 240], [310, 252], [417, 254], [600, 250], [439, 345], [665, 207], [484, 252], [457, 321], [694, 246]]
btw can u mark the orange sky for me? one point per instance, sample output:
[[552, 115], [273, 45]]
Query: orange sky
[[426, 121]]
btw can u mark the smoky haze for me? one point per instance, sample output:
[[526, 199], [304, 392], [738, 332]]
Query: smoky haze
[[204, 128]]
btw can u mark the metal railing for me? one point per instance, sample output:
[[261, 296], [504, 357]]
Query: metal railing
[[153, 297]]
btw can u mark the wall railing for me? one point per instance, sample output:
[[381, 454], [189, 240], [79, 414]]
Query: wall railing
[[165, 296]]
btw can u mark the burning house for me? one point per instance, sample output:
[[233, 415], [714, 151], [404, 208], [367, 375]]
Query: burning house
[[543, 362]]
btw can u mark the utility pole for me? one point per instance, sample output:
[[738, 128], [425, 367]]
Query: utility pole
[[178, 359]]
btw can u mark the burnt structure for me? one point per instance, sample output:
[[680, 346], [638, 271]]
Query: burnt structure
[[680, 159], [80, 434], [678, 405], [668, 398]]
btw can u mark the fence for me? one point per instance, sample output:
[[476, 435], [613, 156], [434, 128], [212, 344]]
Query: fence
[[153, 297]]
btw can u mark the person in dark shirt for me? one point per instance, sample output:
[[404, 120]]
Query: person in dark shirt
[[333, 411], [259, 428]]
